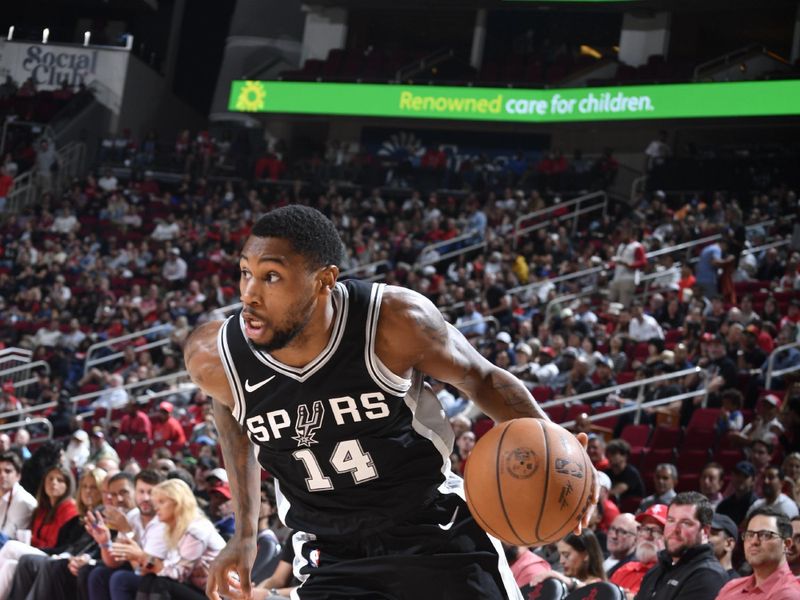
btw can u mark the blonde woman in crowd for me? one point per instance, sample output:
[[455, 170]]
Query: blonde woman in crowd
[[192, 543]]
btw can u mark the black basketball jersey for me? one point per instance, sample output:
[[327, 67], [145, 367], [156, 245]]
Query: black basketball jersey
[[352, 446]]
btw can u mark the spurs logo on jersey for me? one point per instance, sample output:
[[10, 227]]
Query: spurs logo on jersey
[[307, 424]]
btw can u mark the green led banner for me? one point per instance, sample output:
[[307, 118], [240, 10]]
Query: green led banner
[[681, 101]]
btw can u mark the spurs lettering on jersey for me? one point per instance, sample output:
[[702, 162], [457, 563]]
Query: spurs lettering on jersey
[[305, 426], [345, 409]]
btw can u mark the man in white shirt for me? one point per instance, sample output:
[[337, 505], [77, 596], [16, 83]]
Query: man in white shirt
[[166, 231], [773, 497], [630, 257], [16, 504], [642, 327], [175, 269], [113, 397], [65, 223]]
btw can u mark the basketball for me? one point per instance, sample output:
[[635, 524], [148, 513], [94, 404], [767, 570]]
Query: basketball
[[528, 482]]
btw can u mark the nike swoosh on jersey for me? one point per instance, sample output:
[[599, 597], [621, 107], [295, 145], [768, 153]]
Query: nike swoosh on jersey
[[452, 520], [252, 388]]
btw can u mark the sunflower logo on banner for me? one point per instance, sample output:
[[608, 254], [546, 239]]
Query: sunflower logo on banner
[[252, 97]]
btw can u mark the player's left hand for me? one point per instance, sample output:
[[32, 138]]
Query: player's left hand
[[587, 517]]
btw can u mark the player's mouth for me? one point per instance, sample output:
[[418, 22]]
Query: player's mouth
[[254, 327]]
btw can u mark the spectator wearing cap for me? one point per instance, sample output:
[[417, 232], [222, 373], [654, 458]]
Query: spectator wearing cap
[[77, 451], [220, 508], [722, 536], [793, 554], [628, 260], [626, 482], [686, 569], [620, 542], [577, 381], [175, 268], [643, 327], [665, 478], [607, 510], [167, 429], [772, 495], [135, 424], [711, 483], [767, 536], [503, 343], [603, 376], [100, 448], [648, 542], [765, 425], [547, 370], [742, 497]]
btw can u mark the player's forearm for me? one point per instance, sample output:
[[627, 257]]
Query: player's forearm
[[503, 397], [243, 470]]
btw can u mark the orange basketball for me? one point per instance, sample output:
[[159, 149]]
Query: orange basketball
[[528, 482]]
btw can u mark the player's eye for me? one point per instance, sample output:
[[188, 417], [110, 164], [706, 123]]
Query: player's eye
[[272, 277]]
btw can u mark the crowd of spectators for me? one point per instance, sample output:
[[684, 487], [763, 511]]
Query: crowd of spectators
[[116, 254]]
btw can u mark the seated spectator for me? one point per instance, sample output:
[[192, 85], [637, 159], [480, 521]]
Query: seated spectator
[[525, 565], [596, 449], [620, 542], [723, 536], [791, 476], [772, 496], [742, 497], [77, 451], [767, 536], [135, 424], [643, 327], [581, 559], [268, 514], [665, 478], [166, 428], [100, 449], [686, 568], [625, 479], [760, 456], [711, 483], [191, 543], [607, 510], [649, 542], [55, 511], [793, 554], [114, 396], [765, 424], [16, 504], [730, 419]]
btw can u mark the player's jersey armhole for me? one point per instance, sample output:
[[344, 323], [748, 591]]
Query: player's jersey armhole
[[230, 371], [387, 380]]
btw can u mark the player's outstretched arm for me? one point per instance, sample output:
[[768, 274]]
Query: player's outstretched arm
[[204, 366], [413, 334]]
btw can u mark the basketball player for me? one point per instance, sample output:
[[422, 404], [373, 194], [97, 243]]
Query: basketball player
[[322, 383]]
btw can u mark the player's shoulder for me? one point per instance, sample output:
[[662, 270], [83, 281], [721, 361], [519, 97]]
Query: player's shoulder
[[402, 307], [201, 345]]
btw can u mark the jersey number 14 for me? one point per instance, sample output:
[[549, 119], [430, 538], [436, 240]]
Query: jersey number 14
[[348, 457]]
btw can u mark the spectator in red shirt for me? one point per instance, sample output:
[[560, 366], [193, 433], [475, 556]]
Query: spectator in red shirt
[[167, 428], [596, 449], [136, 424], [649, 542], [6, 183]]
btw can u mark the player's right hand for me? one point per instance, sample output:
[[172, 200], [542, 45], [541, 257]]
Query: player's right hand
[[235, 560]]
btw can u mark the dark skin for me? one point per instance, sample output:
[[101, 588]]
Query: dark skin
[[281, 292]]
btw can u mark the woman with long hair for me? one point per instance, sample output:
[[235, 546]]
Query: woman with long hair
[[73, 540], [582, 560], [54, 520], [192, 543]]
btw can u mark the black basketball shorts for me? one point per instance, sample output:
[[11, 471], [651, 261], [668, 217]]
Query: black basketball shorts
[[440, 553]]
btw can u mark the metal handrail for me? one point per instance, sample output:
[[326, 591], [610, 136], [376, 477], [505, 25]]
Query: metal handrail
[[35, 421], [27, 409], [39, 364], [470, 323], [762, 247], [519, 232], [190, 387], [468, 237], [453, 254], [14, 350], [622, 386], [638, 407], [22, 191], [119, 339], [683, 246], [771, 363], [114, 356], [129, 386]]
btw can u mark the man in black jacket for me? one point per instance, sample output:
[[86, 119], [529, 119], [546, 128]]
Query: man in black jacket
[[687, 568]]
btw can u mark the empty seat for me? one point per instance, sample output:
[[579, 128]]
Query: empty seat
[[636, 435]]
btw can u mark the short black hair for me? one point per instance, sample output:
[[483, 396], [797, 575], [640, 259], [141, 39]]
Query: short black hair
[[14, 459], [781, 520], [702, 507], [150, 476], [310, 233], [120, 476], [618, 446]]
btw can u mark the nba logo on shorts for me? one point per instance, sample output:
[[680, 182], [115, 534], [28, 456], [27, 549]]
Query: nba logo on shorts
[[313, 557]]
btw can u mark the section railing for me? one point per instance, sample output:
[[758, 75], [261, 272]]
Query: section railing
[[37, 421], [542, 216], [24, 375], [771, 372], [91, 361], [448, 249], [14, 357]]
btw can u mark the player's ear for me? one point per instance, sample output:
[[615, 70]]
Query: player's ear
[[328, 276]]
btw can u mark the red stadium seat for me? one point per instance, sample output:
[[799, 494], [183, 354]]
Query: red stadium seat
[[665, 438], [636, 435]]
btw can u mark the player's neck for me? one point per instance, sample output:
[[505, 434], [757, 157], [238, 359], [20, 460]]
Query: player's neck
[[313, 339]]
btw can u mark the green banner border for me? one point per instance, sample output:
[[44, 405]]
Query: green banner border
[[668, 101]]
